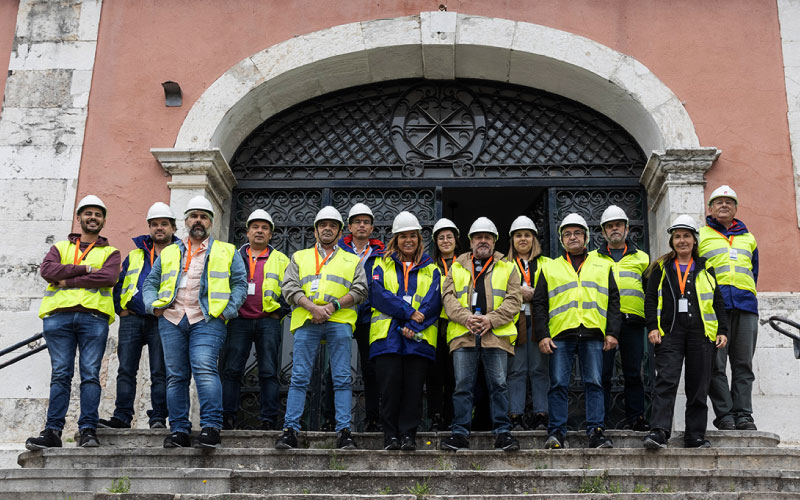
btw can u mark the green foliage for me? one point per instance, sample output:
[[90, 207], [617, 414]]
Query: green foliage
[[475, 466], [667, 489], [444, 464], [599, 484], [385, 491], [120, 485], [640, 488], [336, 464], [420, 489]]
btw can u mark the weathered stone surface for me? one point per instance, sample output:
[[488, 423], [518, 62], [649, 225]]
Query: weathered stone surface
[[45, 20], [53, 55], [39, 89], [21, 203], [57, 128], [40, 162]]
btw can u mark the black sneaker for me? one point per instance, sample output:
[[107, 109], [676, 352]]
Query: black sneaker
[[113, 423], [555, 441], [391, 443], [697, 443], [177, 440], [48, 438], [655, 440], [228, 422], [266, 425], [726, 424], [505, 442], [745, 424], [407, 443], [517, 423], [454, 442], [597, 439], [288, 440], [640, 424], [208, 438], [540, 421], [158, 424], [345, 441], [88, 439]]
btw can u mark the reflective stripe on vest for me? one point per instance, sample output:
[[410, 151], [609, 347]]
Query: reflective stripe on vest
[[335, 280], [576, 300], [704, 285], [628, 273], [462, 279], [98, 299], [129, 283], [716, 249], [380, 322]]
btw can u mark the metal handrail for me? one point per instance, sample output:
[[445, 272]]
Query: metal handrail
[[22, 356], [774, 320]]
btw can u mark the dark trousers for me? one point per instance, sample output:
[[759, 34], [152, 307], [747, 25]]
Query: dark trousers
[[371, 391], [440, 380], [400, 379], [631, 351], [735, 400], [695, 350]]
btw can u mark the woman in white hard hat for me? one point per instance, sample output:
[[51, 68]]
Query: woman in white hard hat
[[406, 300], [686, 320], [441, 381], [528, 363]]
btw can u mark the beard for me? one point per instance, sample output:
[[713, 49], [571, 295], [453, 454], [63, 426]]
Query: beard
[[88, 230], [162, 238], [198, 232]]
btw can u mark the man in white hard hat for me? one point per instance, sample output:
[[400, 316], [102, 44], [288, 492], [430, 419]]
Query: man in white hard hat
[[359, 242], [576, 312], [76, 310], [482, 298], [196, 285], [629, 264], [259, 323], [732, 250], [137, 328], [324, 286]]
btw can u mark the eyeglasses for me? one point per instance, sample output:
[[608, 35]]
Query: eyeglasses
[[570, 234], [361, 222], [445, 237]]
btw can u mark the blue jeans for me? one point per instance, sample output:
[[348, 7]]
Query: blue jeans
[[338, 337], [465, 367], [631, 350], [64, 332], [590, 359], [528, 364], [192, 350], [135, 332], [266, 333]]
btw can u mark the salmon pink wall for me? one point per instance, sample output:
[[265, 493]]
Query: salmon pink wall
[[721, 58], [8, 26]]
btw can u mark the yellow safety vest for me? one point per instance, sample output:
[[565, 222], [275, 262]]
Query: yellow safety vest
[[574, 299], [335, 280], [218, 263], [98, 299], [274, 269], [379, 324], [443, 314], [462, 281], [717, 250], [628, 272], [704, 285], [135, 264]]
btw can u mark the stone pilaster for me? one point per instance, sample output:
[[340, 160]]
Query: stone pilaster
[[675, 180]]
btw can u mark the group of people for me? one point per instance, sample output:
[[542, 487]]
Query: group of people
[[426, 324]]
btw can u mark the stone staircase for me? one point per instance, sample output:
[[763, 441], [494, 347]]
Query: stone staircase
[[131, 464]]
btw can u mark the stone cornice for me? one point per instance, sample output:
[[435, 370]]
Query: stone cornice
[[685, 166], [198, 169]]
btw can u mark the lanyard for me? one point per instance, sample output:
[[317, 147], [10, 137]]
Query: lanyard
[[526, 271], [623, 252], [485, 267], [77, 260], [406, 269], [252, 262], [152, 253], [729, 239], [446, 270], [682, 279], [367, 252], [579, 267], [189, 255], [316, 255]]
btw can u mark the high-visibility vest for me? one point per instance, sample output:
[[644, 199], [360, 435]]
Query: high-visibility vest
[[379, 324], [335, 280], [737, 272], [628, 272], [98, 299], [540, 260], [274, 269], [131, 279], [218, 264], [704, 285], [577, 299], [462, 281]]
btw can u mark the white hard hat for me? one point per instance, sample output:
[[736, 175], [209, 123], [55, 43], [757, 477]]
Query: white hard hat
[[405, 221], [199, 203], [160, 210], [359, 209], [445, 223], [91, 201], [259, 214], [483, 225], [723, 191], [574, 219], [683, 222], [328, 213], [522, 222], [613, 212]]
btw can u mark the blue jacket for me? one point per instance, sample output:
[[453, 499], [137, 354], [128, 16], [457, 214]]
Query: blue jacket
[[346, 244], [400, 311], [238, 281], [136, 304], [736, 298]]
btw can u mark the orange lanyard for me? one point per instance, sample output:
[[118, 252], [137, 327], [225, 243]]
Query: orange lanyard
[[729, 239], [252, 262], [77, 260], [189, 255], [316, 255], [623, 252], [152, 253], [526, 273], [485, 267], [683, 279], [367, 252], [446, 269], [406, 269], [579, 267]]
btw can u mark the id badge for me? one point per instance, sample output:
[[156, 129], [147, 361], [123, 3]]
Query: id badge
[[733, 253], [315, 285], [183, 281], [407, 299], [683, 305], [525, 307], [251, 288], [474, 299]]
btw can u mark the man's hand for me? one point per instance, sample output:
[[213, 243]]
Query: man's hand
[[654, 337], [321, 314], [479, 324], [527, 293], [546, 345], [60, 284], [610, 343], [417, 316], [408, 333], [125, 312], [158, 312], [722, 341]]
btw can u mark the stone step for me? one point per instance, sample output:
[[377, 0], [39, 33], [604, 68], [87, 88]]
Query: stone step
[[424, 460], [148, 438], [696, 495], [420, 483]]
